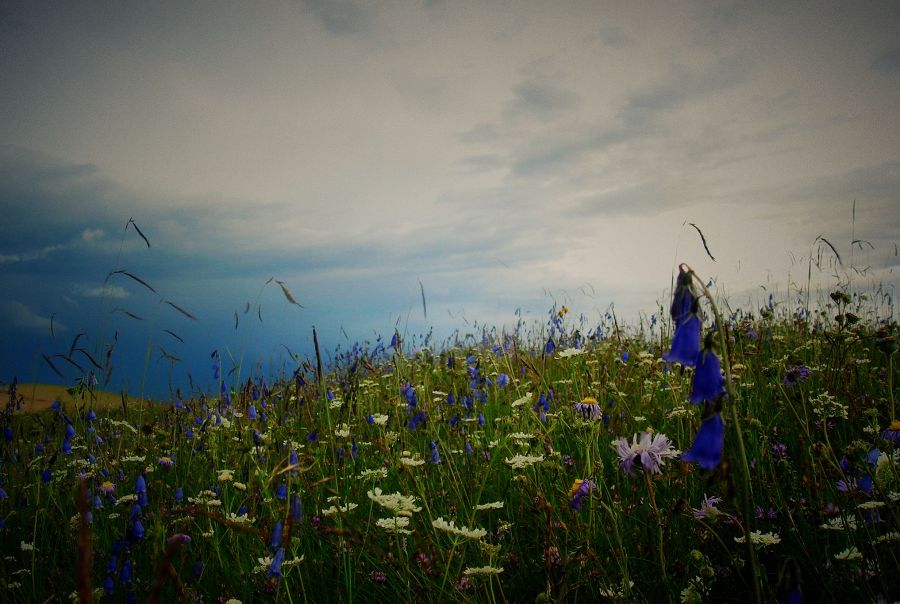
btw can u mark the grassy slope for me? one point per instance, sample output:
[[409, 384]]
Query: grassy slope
[[39, 397]]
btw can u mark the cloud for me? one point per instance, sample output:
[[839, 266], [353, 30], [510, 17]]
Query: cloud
[[342, 17], [887, 62], [541, 99], [92, 234], [109, 291], [20, 316]]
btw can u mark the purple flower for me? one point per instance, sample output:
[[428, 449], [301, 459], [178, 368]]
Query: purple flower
[[647, 452], [684, 301], [708, 443], [892, 432], [435, 456], [708, 382], [580, 489], [796, 374], [276, 535], [685, 342], [275, 567], [707, 508], [588, 408]]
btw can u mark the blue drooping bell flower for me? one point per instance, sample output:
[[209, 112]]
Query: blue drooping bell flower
[[709, 384], [137, 530], [109, 586], [47, 476], [684, 301], [275, 567], [276, 535], [281, 493], [685, 342], [66, 447], [549, 347], [8, 434], [251, 412], [125, 574], [296, 508], [435, 456], [708, 443]]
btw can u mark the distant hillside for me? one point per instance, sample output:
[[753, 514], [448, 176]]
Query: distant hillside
[[39, 397]]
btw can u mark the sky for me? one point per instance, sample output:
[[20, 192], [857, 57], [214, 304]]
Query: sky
[[494, 156]]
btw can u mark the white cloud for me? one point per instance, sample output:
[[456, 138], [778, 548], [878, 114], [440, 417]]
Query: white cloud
[[109, 291], [92, 234], [19, 316]]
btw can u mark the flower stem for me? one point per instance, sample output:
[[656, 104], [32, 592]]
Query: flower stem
[[747, 488]]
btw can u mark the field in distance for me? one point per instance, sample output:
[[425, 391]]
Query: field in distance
[[39, 397]]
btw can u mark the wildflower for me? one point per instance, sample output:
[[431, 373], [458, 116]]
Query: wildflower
[[708, 443], [588, 408], [519, 462], [686, 342], [779, 451], [483, 571], [276, 535], [275, 567], [502, 380], [251, 412], [580, 489], [549, 347], [795, 375], [892, 432], [708, 384], [378, 576], [707, 508], [296, 508], [107, 488], [684, 301], [137, 531], [166, 462], [649, 453], [401, 505], [760, 538], [851, 553], [494, 505], [461, 531], [396, 525], [226, 475], [281, 493]]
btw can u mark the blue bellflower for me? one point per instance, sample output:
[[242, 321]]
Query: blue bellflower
[[685, 342], [708, 382], [708, 443]]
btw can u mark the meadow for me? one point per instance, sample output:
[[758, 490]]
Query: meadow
[[707, 454]]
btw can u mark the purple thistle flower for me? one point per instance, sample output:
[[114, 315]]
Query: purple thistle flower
[[649, 453], [796, 374], [708, 443]]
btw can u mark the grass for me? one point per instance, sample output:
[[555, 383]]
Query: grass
[[452, 474]]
